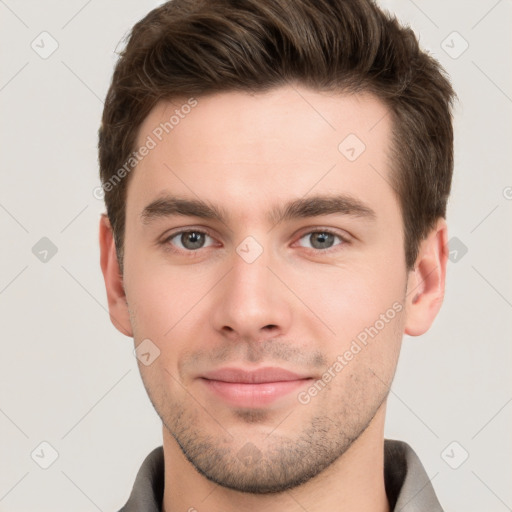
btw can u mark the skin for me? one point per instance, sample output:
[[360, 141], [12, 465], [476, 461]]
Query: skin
[[298, 306]]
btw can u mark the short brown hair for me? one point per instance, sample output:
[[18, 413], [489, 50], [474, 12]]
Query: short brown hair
[[195, 47]]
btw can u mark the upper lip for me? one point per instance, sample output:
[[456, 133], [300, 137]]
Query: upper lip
[[267, 374]]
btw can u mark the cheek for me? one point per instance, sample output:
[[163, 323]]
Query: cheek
[[155, 300], [167, 304], [363, 305], [362, 363], [349, 298]]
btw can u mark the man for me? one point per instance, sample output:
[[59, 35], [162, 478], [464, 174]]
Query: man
[[276, 176]]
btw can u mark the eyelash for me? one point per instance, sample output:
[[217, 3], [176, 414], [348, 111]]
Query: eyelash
[[193, 253]]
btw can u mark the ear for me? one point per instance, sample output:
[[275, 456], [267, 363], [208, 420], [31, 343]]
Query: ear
[[117, 305], [426, 283]]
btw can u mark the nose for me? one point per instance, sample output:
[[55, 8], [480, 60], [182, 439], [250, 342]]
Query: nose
[[251, 302]]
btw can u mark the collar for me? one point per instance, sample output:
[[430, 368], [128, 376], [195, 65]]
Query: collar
[[408, 486]]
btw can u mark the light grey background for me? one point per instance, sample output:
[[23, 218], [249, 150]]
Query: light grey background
[[68, 378]]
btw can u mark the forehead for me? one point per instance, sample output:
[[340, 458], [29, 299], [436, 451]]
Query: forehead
[[252, 150]]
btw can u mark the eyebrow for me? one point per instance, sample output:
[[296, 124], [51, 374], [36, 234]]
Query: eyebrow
[[298, 208]]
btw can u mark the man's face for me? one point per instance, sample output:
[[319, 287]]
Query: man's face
[[266, 286]]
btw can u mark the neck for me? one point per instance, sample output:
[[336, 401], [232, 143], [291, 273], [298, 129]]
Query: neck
[[354, 482]]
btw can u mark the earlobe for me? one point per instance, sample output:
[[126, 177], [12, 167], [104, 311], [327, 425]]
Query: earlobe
[[426, 284], [117, 305]]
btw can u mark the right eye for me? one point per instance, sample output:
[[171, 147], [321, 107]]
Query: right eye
[[189, 240]]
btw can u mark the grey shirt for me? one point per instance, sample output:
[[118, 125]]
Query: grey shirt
[[408, 486]]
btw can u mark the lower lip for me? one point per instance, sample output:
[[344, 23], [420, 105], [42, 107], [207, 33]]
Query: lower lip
[[253, 395]]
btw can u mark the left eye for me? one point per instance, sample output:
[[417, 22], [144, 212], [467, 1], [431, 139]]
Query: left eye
[[320, 240], [190, 240]]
